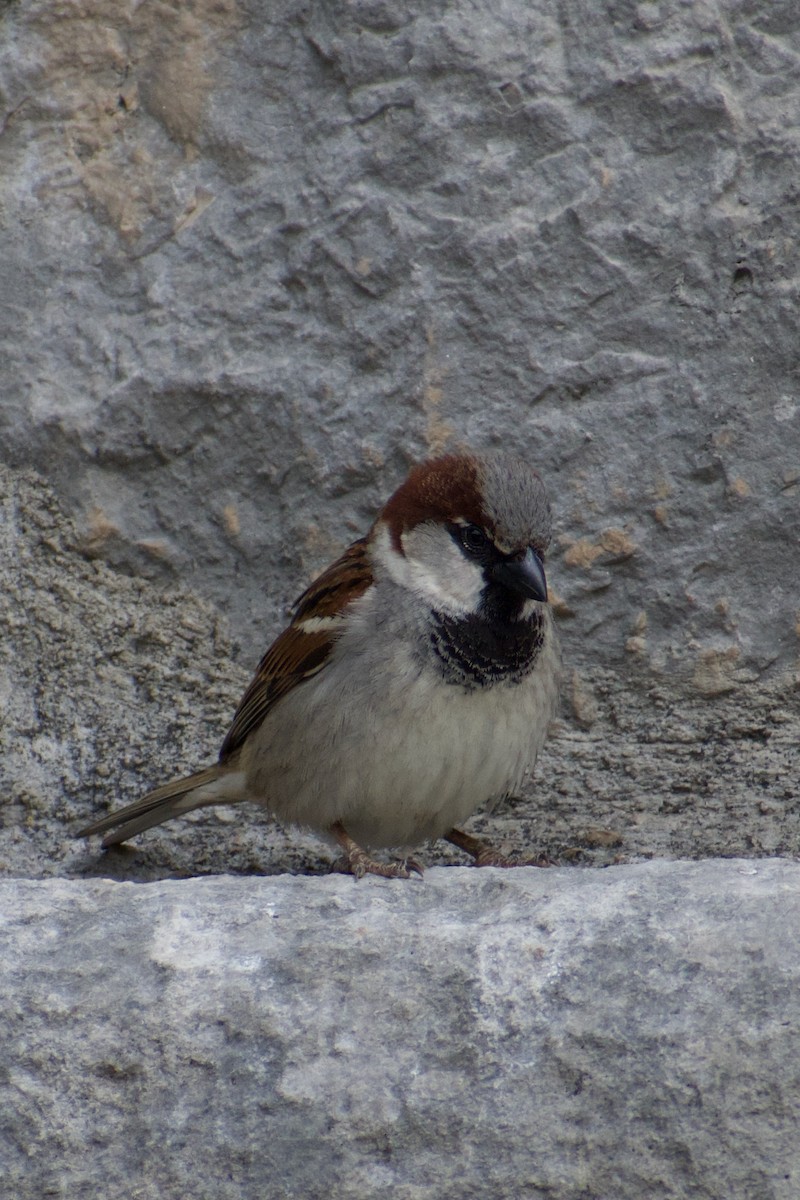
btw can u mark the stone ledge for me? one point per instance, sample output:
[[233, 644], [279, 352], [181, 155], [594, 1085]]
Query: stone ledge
[[623, 1033]]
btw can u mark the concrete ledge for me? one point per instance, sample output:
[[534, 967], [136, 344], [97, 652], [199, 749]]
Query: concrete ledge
[[631, 1032]]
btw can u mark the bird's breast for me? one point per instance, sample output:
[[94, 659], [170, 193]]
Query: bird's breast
[[384, 742]]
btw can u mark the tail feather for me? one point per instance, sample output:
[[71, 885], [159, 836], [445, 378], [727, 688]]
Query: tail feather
[[214, 785]]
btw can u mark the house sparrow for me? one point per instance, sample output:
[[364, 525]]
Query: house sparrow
[[415, 681]]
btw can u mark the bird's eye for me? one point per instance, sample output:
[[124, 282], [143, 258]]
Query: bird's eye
[[473, 539]]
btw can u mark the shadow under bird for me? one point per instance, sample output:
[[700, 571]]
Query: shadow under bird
[[413, 685]]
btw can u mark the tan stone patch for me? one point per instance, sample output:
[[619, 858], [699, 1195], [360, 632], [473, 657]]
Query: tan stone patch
[[715, 671], [231, 521], [617, 542], [119, 80], [438, 432], [98, 532], [584, 702], [582, 553]]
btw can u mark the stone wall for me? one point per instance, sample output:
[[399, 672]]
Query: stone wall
[[257, 257]]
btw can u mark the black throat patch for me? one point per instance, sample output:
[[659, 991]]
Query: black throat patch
[[485, 648]]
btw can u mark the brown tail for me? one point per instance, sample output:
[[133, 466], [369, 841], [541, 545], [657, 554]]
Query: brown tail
[[214, 785]]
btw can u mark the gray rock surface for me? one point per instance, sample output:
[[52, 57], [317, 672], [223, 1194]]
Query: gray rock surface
[[614, 1034], [258, 256]]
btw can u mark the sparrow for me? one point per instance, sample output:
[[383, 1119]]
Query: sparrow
[[414, 683]]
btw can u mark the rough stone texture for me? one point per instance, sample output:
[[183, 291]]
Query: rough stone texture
[[110, 685], [612, 1035], [257, 256]]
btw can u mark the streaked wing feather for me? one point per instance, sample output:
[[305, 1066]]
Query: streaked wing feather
[[341, 582], [298, 653], [293, 657]]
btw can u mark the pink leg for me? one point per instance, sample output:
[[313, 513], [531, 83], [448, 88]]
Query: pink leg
[[485, 856], [357, 862]]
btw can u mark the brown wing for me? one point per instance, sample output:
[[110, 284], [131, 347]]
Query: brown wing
[[304, 646]]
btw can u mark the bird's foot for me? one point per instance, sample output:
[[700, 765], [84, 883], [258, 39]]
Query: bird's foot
[[361, 864], [484, 855], [356, 861]]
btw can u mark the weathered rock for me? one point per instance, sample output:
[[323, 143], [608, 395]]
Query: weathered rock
[[625, 1033], [110, 686], [257, 256], [277, 250]]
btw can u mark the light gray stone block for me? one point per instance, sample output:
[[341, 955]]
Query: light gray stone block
[[614, 1034]]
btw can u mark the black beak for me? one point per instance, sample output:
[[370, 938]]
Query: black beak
[[523, 575]]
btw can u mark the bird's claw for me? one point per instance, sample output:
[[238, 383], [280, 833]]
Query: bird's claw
[[487, 857], [484, 855], [360, 864]]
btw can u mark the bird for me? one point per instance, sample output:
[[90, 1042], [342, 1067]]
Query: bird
[[414, 683]]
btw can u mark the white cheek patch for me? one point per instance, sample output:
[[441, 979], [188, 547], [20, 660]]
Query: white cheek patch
[[434, 568]]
